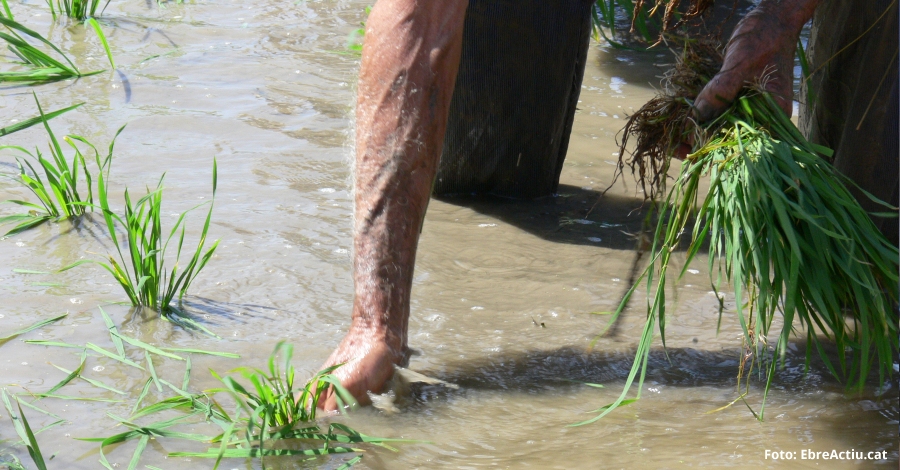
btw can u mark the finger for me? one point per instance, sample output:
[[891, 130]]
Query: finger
[[681, 151], [781, 89], [327, 401], [717, 96]]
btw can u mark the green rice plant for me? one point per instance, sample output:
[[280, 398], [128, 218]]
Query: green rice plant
[[23, 429], [648, 19], [22, 125], [77, 9], [40, 67], [33, 326], [275, 402], [59, 196], [272, 417], [356, 38], [604, 16], [96, 27], [782, 228], [142, 274]]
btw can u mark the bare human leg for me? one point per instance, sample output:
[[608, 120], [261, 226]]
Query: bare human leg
[[409, 65]]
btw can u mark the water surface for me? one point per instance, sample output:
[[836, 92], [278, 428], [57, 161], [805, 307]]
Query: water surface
[[267, 89]]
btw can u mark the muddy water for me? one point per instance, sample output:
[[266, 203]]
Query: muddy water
[[504, 290]]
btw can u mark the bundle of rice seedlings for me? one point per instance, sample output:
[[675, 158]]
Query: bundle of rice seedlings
[[780, 226]]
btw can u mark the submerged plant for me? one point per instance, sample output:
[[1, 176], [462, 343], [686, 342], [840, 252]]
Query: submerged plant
[[142, 273], [59, 196], [272, 417], [356, 38], [77, 9], [40, 66], [22, 125], [782, 228], [23, 429]]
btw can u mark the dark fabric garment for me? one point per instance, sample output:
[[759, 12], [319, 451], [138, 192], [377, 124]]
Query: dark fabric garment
[[515, 95], [854, 106]]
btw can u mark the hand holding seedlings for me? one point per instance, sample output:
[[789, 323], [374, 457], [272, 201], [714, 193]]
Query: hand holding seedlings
[[409, 66], [761, 50]]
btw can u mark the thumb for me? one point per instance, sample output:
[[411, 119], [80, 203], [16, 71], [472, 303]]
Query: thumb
[[716, 96]]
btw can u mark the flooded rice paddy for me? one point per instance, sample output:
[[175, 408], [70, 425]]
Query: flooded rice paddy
[[503, 291]]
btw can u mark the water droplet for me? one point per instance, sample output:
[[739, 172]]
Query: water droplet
[[98, 368]]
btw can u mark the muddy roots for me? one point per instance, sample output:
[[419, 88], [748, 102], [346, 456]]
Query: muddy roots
[[665, 123]]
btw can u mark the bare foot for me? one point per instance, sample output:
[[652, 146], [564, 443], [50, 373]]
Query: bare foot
[[369, 361]]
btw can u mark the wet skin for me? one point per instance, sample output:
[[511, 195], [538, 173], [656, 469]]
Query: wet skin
[[409, 64]]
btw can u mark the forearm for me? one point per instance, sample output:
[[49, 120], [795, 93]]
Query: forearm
[[409, 65]]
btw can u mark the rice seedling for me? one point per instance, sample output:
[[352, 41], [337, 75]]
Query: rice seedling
[[142, 274], [648, 20], [355, 39], [40, 67], [35, 120], [59, 197], [780, 226], [23, 429], [97, 30], [77, 9], [31, 327], [272, 417]]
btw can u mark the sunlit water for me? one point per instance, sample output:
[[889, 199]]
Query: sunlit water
[[267, 89]]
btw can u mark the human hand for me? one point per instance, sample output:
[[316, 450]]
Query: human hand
[[368, 363], [761, 50]]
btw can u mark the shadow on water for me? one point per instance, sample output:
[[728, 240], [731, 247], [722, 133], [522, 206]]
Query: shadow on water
[[567, 217], [232, 311], [207, 313], [577, 216], [563, 371], [85, 226], [548, 370]]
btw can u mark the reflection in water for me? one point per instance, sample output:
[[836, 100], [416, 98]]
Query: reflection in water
[[266, 88]]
